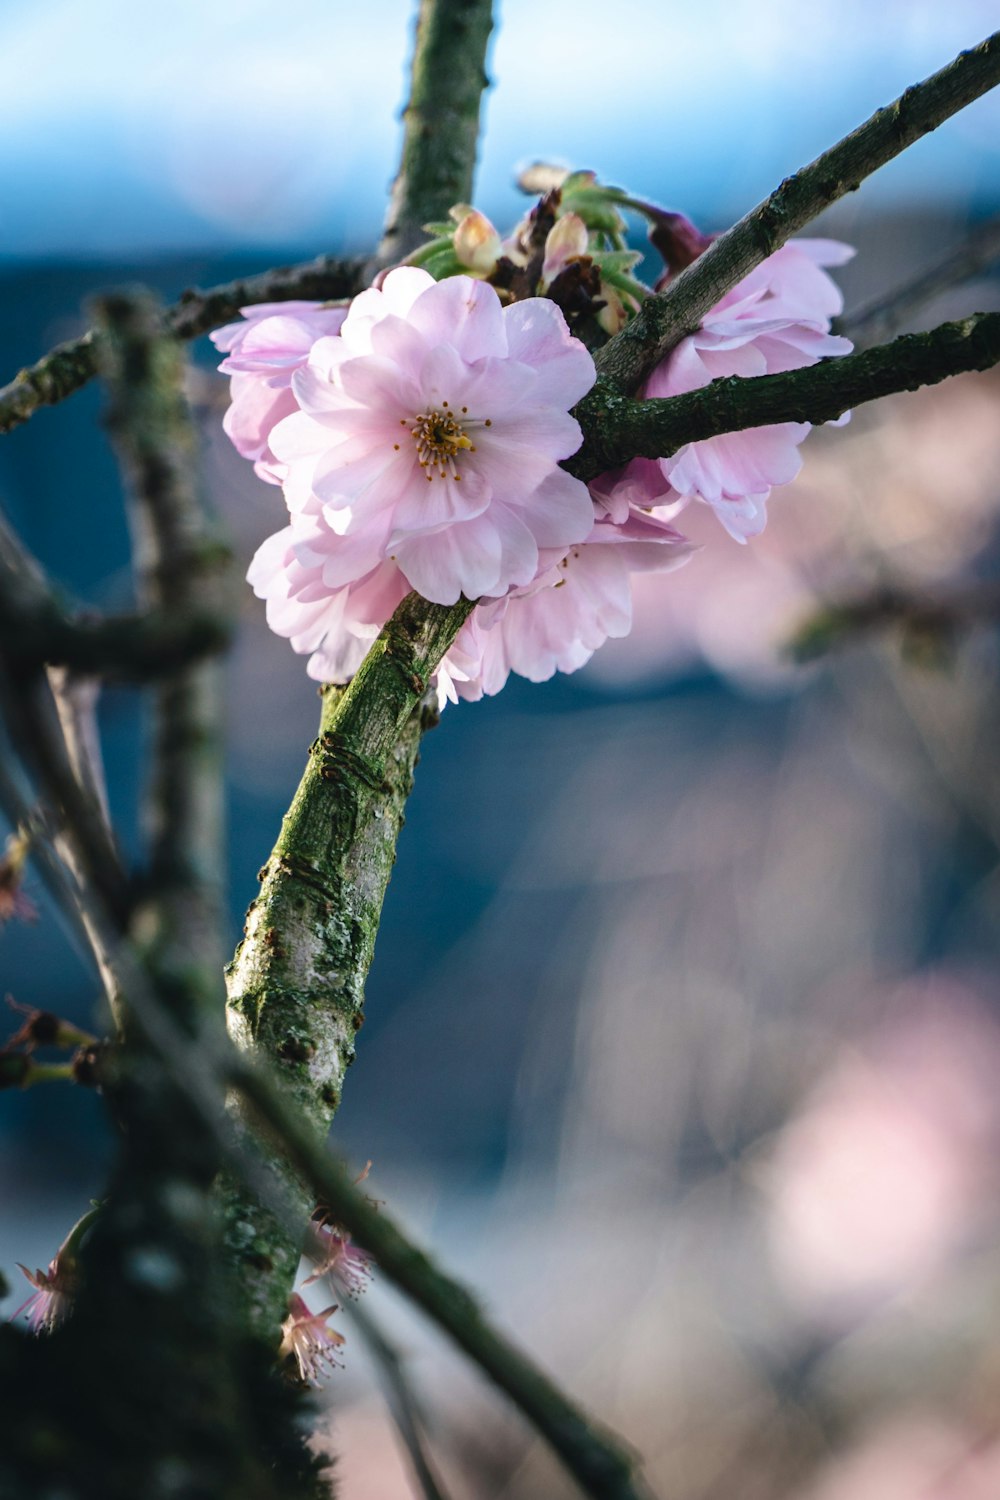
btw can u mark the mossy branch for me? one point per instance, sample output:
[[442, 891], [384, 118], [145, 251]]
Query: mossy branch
[[663, 320], [619, 428]]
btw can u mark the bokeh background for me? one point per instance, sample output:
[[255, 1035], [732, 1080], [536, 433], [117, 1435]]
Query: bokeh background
[[683, 1036]]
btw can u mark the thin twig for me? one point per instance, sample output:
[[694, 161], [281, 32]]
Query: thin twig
[[662, 320], [619, 427], [401, 1399], [879, 320], [82, 834], [604, 1469], [440, 121], [69, 366], [76, 700], [927, 617]]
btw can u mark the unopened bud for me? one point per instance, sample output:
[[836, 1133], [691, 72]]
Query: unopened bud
[[477, 244]]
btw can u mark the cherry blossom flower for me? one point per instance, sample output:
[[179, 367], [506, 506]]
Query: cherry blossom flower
[[777, 318], [306, 1338], [297, 571], [262, 354], [577, 603], [430, 434]]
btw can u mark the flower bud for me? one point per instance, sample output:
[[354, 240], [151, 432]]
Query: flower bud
[[477, 244]]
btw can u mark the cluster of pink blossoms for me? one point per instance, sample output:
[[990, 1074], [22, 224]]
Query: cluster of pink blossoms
[[418, 434]]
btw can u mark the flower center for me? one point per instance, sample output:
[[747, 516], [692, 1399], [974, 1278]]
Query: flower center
[[440, 436]]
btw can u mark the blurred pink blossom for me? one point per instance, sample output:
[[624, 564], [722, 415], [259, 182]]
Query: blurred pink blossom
[[889, 1167], [920, 1457], [306, 1338]]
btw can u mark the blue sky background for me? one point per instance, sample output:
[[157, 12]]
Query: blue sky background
[[208, 124]]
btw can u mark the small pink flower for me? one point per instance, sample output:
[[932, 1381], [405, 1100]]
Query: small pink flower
[[306, 1338], [263, 352], [50, 1302], [347, 1263], [430, 435], [777, 318]]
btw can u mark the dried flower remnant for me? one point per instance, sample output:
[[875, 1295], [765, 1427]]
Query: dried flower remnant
[[13, 901], [41, 1028], [306, 1338]]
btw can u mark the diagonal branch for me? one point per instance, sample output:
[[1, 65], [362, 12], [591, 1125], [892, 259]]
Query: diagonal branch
[[69, 366], [619, 428], [602, 1467], [441, 120], [663, 320], [879, 320]]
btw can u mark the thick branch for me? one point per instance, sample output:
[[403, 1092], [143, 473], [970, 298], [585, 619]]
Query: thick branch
[[619, 428], [663, 320], [69, 366], [441, 120], [296, 985]]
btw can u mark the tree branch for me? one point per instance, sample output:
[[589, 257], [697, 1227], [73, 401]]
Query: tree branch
[[440, 121], [619, 428], [296, 985], [69, 366], [663, 320], [604, 1469], [401, 1399], [37, 629], [880, 320]]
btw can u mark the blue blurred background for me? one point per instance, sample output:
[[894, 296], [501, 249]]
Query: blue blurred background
[[681, 1025]]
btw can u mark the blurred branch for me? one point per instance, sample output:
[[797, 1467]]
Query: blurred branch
[[663, 320], [182, 568], [619, 428], [69, 366], [76, 699], [883, 318], [440, 121], [400, 1398], [923, 616], [81, 833], [600, 1465], [38, 629]]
